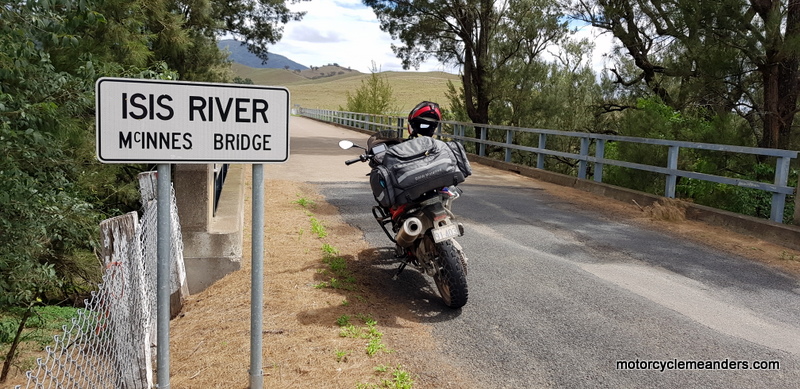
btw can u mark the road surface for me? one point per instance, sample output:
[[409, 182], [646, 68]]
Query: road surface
[[566, 297]]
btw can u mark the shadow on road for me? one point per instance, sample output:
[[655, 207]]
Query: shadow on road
[[411, 297]]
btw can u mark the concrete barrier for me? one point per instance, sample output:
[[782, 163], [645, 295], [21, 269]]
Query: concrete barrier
[[212, 244]]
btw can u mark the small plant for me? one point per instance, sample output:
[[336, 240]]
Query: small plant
[[317, 228], [338, 265], [401, 379], [786, 256], [374, 346], [341, 279], [329, 251], [370, 332], [350, 331], [341, 356], [304, 202], [345, 303], [343, 320]]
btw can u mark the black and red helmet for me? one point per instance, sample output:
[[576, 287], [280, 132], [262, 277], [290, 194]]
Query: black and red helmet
[[424, 119]]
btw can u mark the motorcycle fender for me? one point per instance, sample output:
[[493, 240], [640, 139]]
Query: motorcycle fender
[[435, 212]]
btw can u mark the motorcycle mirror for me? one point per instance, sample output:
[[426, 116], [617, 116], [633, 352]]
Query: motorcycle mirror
[[345, 144]]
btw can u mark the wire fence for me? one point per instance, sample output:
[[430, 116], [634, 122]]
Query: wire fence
[[111, 343]]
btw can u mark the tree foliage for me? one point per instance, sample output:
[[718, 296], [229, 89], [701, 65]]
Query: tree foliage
[[52, 189], [375, 95], [733, 55], [479, 36]]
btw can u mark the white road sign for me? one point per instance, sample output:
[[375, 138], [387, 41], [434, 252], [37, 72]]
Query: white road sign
[[154, 121]]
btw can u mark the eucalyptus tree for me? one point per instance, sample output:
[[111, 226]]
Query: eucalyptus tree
[[52, 190], [481, 37], [737, 56]]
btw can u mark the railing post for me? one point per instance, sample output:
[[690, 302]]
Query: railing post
[[672, 179], [540, 156], [509, 141], [779, 199], [599, 153], [582, 163], [797, 204], [401, 127], [482, 147]]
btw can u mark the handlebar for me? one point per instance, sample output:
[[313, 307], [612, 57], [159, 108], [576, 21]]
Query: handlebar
[[361, 158]]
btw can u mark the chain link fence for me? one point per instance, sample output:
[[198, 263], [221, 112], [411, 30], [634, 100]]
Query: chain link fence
[[111, 343]]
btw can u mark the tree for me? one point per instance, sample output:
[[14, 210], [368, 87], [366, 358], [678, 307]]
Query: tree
[[375, 95], [733, 55], [479, 36]]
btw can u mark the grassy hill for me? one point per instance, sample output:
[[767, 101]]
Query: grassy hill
[[331, 92]]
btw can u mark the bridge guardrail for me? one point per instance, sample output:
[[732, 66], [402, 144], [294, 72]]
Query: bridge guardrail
[[459, 130]]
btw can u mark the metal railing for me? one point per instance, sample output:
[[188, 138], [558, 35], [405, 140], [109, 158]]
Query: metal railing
[[584, 155]]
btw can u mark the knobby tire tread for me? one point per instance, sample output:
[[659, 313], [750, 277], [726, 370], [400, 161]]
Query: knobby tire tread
[[452, 274]]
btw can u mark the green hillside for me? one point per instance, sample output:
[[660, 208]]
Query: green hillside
[[331, 92]]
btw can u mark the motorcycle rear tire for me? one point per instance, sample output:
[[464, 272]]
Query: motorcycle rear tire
[[451, 277]]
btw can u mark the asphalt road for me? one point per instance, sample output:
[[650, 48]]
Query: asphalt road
[[560, 294]]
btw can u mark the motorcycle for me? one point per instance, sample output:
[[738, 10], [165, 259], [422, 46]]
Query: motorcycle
[[418, 217]]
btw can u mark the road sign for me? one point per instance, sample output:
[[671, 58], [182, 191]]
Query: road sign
[[155, 121]]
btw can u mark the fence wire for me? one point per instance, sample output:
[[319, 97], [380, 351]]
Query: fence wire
[[111, 343]]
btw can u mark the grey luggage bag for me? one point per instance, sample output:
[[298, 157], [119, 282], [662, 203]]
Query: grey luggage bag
[[416, 166]]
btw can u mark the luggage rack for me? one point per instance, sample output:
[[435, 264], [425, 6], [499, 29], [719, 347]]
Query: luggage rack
[[383, 219]]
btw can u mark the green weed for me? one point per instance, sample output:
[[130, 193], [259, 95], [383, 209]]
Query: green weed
[[317, 228], [304, 202], [329, 251], [341, 356], [401, 379], [337, 266], [343, 320], [369, 332]]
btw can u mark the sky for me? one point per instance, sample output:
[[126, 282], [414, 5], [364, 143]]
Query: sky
[[348, 33]]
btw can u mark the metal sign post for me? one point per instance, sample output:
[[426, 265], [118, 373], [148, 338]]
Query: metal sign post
[[173, 122], [257, 280], [162, 268]]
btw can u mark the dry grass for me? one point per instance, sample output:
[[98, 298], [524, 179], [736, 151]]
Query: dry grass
[[667, 209], [331, 92], [302, 343], [302, 346]]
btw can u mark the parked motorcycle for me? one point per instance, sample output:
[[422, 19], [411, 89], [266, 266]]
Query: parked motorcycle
[[414, 183]]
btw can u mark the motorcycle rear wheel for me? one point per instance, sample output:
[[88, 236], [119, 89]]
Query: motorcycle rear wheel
[[450, 278]]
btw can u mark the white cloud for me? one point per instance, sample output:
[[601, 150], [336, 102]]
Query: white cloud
[[344, 32], [347, 32]]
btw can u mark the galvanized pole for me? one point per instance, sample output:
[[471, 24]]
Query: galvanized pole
[[164, 249], [257, 279]]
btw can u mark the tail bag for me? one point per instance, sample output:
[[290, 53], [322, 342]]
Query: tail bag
[[417, 166]]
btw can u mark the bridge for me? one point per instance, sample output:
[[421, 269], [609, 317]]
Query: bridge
[[569, 285]]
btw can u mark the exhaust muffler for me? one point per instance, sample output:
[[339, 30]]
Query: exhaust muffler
[[409, 232]]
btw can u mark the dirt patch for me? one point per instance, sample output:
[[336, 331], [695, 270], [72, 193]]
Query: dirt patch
[[303, 346]]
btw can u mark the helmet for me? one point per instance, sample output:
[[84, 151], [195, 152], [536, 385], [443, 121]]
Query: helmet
[[424, 119]]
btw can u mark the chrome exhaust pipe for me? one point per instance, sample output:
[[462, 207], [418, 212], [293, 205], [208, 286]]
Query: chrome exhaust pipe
[[409, 232]]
